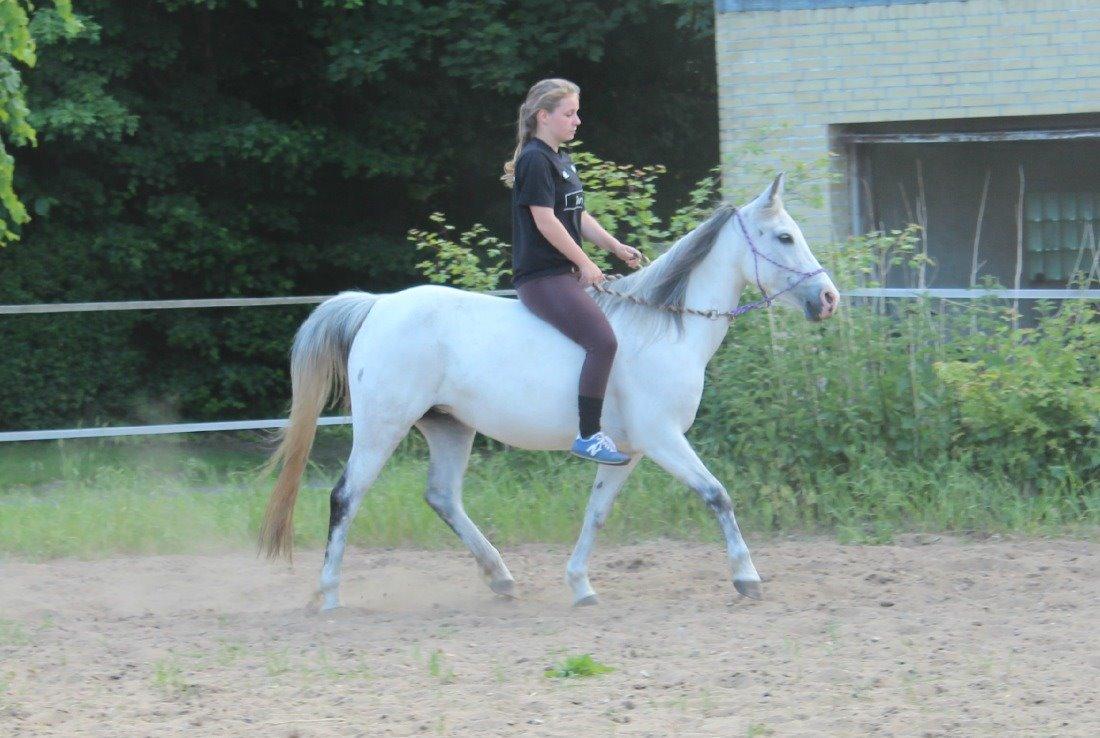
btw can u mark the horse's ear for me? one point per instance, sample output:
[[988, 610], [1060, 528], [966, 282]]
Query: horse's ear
[[775, 192], [771, 199]]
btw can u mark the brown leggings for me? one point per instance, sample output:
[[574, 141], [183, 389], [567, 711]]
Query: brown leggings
[[562, 302]]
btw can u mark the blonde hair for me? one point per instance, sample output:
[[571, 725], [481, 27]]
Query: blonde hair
[[543, 95]]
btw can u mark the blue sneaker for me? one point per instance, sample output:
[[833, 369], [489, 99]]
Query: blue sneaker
[[600, 448]]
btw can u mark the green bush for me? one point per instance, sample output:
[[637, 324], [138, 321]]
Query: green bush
[[1028, 398]]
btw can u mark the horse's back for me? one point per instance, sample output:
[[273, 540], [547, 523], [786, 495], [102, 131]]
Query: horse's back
[[441, 309], [442, 324], [433, 301]]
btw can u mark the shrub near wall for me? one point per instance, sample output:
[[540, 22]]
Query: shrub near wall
[[913, 383]]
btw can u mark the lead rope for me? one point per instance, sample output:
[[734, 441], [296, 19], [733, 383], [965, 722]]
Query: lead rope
[[716, 314]]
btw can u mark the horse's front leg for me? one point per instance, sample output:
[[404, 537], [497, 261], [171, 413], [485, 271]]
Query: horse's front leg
[[609, 481], [676, 456]]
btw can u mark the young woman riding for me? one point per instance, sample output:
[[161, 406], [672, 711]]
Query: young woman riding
[[550, 271]]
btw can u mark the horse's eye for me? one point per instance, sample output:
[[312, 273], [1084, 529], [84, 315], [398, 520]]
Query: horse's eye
[[786, 238]]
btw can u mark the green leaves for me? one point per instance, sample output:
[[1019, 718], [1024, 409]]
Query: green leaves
[[83, 108], [476, 261], [15, 36], [1031, 396], [192, 148], [621, 196], [578, 666], [17, 44]]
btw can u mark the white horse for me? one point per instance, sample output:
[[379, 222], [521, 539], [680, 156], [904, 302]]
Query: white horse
[[455, 363]]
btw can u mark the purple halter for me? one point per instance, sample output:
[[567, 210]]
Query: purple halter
[[756, 256]]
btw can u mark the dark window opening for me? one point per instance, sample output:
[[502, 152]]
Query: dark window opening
[[934, 173]]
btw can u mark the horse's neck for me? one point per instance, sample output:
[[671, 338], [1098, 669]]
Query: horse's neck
[[715, 284]]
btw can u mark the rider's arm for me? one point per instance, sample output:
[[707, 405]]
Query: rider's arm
[[594, 232], [591, 230], [554, 232]]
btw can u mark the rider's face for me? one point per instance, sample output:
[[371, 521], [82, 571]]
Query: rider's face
[[561, 123]]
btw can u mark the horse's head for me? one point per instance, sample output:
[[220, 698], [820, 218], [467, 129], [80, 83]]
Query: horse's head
[[776, 258]]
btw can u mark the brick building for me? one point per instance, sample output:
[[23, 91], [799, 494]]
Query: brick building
[[955, 90]]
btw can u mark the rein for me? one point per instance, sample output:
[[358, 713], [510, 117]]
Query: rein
[[740, 309]]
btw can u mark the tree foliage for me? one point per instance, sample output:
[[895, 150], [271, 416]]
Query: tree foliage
[[18, 47], [209, 148]]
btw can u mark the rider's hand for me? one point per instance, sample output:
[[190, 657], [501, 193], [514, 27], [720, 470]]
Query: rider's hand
[[629, 254], [591, 274]]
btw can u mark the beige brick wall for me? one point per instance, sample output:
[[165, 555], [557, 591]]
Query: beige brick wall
[[968, 59]]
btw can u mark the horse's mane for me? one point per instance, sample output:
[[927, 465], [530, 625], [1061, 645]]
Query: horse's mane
[[664, 282]]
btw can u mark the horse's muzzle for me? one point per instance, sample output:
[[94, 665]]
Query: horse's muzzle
[[822, 305]]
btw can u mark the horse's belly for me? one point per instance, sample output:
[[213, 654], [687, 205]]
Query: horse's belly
[[526, 399], [520, 430], [515, 414]]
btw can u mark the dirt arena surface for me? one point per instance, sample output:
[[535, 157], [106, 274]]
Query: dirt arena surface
[[929, 637]]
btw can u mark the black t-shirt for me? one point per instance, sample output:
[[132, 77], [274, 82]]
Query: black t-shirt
[[547, 178]]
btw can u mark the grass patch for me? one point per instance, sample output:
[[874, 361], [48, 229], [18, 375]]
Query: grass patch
[[229, 652], [115, 499], [12, 633], [168, 677], [277, 663], [439, 669], [578, 666]]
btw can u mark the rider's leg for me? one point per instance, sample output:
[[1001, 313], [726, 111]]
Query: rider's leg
[[562, 302]]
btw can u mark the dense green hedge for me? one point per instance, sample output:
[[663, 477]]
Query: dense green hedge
[[216, 148], [919, 382]]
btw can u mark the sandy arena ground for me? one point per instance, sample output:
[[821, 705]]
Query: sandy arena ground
[[929, 637]]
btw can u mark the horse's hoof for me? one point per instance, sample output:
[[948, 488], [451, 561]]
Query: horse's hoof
[[587, 601], [748, 589], [320, 602], [504, 587]]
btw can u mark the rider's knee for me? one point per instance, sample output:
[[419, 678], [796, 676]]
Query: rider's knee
[[609, 344]]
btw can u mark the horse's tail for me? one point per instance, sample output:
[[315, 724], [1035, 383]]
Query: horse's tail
[[318, 370]]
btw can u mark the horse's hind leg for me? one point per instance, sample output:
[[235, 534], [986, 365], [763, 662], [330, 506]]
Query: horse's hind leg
[[371, 449], [609, 481], [449, 444]]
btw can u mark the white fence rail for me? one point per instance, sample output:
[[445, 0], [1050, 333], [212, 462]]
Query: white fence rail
[[152, 430], [967, 294], [215, 302], [159, 430]]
